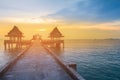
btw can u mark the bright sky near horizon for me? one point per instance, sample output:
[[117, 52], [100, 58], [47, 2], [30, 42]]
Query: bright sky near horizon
[[76, 19]]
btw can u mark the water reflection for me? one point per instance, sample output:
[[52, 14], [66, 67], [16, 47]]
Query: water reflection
[[12, 53], [58, 51]]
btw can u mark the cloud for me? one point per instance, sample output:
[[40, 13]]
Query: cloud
[[90, 10], [115, 26], [23, 8], [106, 26], [54, 11], [28, 20]]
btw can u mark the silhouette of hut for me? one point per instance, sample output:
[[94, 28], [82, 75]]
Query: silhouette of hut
[[55, 34], [15, 37], [15, 34]]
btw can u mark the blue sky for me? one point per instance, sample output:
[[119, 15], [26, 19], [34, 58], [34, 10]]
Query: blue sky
[[69, 10], [35, 8], [91, 10]]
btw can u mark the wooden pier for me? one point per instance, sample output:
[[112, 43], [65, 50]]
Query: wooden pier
[[38, 63], [15, 40]]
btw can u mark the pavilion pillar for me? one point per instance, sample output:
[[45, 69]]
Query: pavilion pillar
[[5, 45], [63, 45], [12, 46], [14, 39], [8, 45]]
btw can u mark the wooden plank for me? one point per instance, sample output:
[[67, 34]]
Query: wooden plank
[[36, 64]]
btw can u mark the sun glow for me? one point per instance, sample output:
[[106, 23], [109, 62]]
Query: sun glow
[[41, 30], [30, 20], [43, 26]]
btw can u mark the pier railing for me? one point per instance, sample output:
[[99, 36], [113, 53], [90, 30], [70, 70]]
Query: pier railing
[[73, 74], [23, 41], [52, 41]]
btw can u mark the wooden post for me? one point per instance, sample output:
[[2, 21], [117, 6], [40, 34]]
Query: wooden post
[[5, 45], [63, 45], [8, 45], [73, 66], [57, 45], [12, 46]]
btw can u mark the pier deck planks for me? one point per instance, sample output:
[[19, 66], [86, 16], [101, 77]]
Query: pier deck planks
[[36, 64]]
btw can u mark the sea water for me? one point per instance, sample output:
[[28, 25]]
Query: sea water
[[95, 59]]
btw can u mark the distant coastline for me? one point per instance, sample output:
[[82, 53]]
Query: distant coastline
[[96, 39]]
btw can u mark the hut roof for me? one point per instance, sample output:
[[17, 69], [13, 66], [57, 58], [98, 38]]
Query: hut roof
[[15, 32], [55, 33]]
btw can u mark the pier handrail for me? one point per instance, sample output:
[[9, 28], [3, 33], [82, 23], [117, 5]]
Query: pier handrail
[[73, 74], [52, 41], [25, 41]]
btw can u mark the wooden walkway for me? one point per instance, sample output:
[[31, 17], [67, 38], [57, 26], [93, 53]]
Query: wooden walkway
[[36, 64]]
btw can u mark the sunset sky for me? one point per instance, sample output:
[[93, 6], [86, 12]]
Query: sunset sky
[[76, 19]]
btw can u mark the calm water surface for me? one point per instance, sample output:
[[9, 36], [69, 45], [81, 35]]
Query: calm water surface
[[4, 57], [96, 59]]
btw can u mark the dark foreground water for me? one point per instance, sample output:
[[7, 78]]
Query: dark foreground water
[[95, 59]]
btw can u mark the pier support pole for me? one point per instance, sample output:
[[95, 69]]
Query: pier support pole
[[4, 45], [8, 46], [73, 66], [12, 46]]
